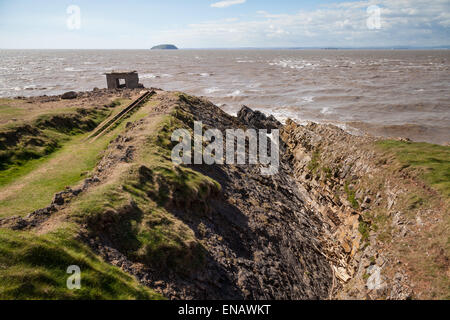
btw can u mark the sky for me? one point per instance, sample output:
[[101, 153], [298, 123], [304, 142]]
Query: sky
[[139, 24]]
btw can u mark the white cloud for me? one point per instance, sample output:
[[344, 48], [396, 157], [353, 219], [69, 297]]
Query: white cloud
[[227, 3], [403, 22]]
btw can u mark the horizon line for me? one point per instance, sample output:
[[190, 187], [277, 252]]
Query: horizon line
[[397, 47]]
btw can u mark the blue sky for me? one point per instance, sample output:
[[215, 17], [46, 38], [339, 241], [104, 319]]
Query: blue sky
[[138, 24]]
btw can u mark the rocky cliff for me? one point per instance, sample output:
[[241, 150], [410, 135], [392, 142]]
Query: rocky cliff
[[342, 219]]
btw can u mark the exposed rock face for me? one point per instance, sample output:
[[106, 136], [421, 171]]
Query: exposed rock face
[[282, 235], [261, 240], [334, 169], [256, 119]]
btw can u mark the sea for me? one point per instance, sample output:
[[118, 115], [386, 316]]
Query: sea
[[392, 93]]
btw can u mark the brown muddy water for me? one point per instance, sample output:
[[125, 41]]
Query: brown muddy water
[[383, 92]]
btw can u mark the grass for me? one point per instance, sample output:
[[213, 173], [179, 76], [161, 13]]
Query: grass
[[426, 253], [25, 188], [28, 141], [351, 197], [328, 172], [313, 165], [41, 131], [34, 267], [415, 202], [430, 160], [24, 165], [14, 115], [15, 112], [41, 179], [364, 229], [8, 112], [427, 258], [137, 204]]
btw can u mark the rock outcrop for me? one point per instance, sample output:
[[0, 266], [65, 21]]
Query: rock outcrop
[[354, 190], [256, 119]]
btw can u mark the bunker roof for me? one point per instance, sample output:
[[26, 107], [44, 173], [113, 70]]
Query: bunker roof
[[120, 72]]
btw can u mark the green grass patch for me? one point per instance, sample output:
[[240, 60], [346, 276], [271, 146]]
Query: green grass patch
[[35, 267], [364, 229], [314, 164], [22, 143], [32, 185], [117, 102], [430, 160], [351, 197], [23, 116], [39, 180], [8, 112]]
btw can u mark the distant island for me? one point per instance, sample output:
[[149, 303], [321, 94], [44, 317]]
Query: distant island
[[165, 47]]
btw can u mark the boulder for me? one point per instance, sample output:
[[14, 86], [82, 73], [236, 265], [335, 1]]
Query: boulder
[[69, 95], [257, 119]]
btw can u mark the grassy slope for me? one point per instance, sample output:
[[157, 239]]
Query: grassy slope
[[16, 112], [147, 231], [427, 253], [433, 161], [8, 112], [34, 267], [30, 186], [25, 156]]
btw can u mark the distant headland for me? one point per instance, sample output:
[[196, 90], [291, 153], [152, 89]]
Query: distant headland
[[165, 47]]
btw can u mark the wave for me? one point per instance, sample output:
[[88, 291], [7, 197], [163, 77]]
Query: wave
[[294, 64], [202, 74], [235, 93], [308, 99], [416, 132], [326, 110], [72, 69], [304, 85], [147, 76], [212, 90]]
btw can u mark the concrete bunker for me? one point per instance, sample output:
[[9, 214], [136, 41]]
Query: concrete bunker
[[123, 79]]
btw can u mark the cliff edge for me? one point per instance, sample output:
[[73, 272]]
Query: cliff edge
[[345, 217]]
